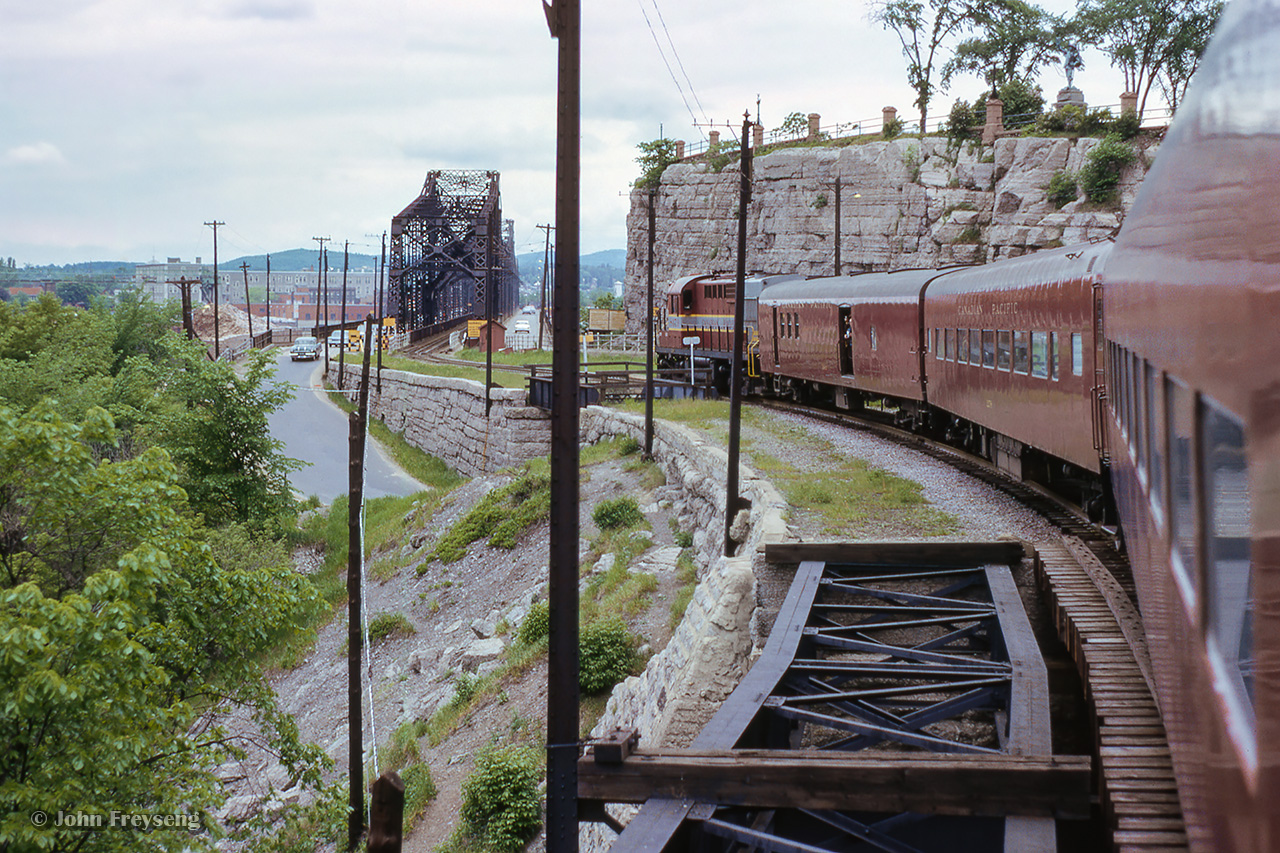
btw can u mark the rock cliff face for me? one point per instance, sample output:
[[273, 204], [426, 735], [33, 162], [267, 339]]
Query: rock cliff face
[[904, 203]]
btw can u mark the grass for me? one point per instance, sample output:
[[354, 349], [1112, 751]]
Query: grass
[[389, 626], [501, 516], [687, 572], [850, 496]]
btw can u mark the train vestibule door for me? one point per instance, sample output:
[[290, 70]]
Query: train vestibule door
[[846, 340]]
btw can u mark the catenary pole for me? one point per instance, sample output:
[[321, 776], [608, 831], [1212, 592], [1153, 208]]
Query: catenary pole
[[734, 502], [217, 337]]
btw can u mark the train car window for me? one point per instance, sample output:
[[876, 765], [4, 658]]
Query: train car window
[[875, 343], [1021, 353], [1155, 451], [975, 347], [1140, 416], [1004, 350], [1077, 354], [1053, 356], [1224, 483], [797, 322], [686, 299], [1179, 414], [1040, 354], [937, 344], [949, 335], [988, 348], [962, 346]]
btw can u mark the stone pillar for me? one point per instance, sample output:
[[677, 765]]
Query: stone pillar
[[757, 135], [679, 149], [814, 119], [1128, 102], [715, 138], [995, 120], [890, 115]]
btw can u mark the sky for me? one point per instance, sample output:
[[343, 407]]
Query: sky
[[125, 125]]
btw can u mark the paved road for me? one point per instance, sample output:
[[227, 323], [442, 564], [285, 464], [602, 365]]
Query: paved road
[[315, 431]]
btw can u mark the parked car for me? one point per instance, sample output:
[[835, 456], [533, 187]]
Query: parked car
[[305, 349], [335, 338]]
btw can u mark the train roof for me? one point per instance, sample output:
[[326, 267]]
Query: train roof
[[753, 284], [1044, 267], [881, 286]]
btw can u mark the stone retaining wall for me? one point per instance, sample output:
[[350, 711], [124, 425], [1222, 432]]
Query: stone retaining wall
[[445, 417]]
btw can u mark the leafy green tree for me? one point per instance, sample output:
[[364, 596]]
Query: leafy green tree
[[655, 156], [216, 429], [1142, 37], [795, 124], [122, 641], [924, 27], [77, 291], [1015, 39]]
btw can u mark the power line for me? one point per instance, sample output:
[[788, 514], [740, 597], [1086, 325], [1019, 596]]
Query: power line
[[658, 44], [676, 54]]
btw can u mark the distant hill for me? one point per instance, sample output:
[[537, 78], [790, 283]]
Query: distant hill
[[598, 269], [302, 259]]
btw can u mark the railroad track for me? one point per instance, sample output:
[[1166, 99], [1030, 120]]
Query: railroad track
[[1091, 595]]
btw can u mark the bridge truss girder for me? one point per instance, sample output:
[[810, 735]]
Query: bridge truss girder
[[452, 254]]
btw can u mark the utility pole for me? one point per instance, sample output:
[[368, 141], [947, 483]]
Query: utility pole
[[359, 420], [342, 319], [248, 306], [648, 325], [542, 297], [217, 337], [324, 344], [268, 291], [184, 285], [564, 19], [733, 501]]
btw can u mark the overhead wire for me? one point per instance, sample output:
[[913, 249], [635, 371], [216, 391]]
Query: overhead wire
[[676, 54], [661, 53]]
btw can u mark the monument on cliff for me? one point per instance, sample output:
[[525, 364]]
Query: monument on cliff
[[1070, 95]]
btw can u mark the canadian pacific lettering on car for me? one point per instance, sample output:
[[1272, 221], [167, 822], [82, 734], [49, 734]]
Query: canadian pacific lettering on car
[[1143, 374]]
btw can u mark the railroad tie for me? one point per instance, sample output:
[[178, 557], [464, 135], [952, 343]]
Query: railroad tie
[[1102, 631]]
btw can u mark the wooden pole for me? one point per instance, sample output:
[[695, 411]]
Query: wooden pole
[[355, 637]]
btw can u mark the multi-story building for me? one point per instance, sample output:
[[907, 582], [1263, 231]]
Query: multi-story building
[[154, 279]]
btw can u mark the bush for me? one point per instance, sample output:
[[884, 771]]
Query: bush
[[502, 516], [965, 121], [1062, 189], [892, 128], [419, 789], [500, 803], [1128, 125], [606, 655], [536, 625], [386, 626], [1100, 174], [617, 513], [1023, 103]]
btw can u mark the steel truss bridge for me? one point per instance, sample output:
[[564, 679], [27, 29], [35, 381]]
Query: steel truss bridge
[[452, 255], [900, 705]]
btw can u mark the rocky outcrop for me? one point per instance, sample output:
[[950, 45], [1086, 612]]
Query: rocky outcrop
[[904, 203]]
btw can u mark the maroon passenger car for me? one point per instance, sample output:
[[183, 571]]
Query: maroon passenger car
[[1014, 359], [1192, 311], [846, 339]]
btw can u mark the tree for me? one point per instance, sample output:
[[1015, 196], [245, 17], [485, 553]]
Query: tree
[[655, 157], [1015, 39], [216, 429], [1186, 46], [923, 27], [122, 642], [1143, 37], [77, 291]]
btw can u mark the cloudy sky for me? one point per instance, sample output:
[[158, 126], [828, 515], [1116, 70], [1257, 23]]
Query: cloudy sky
[[127, 124]]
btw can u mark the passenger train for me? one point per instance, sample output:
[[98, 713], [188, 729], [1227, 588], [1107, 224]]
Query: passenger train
[[1147, 367]]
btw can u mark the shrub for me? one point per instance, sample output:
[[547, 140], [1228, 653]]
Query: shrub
[[1062, 189], [628, 446], [1100, 174], [1023, 103], [502, 516], [892, 128], [617, 513], [1128, 125], [965, 121], [606, 655], [387, 626], [419, 789], [500, 803], [537, 624]]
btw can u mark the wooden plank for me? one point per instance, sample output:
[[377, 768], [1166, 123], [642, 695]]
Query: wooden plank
[[1030, 731], [817, 779], [914, 554]]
